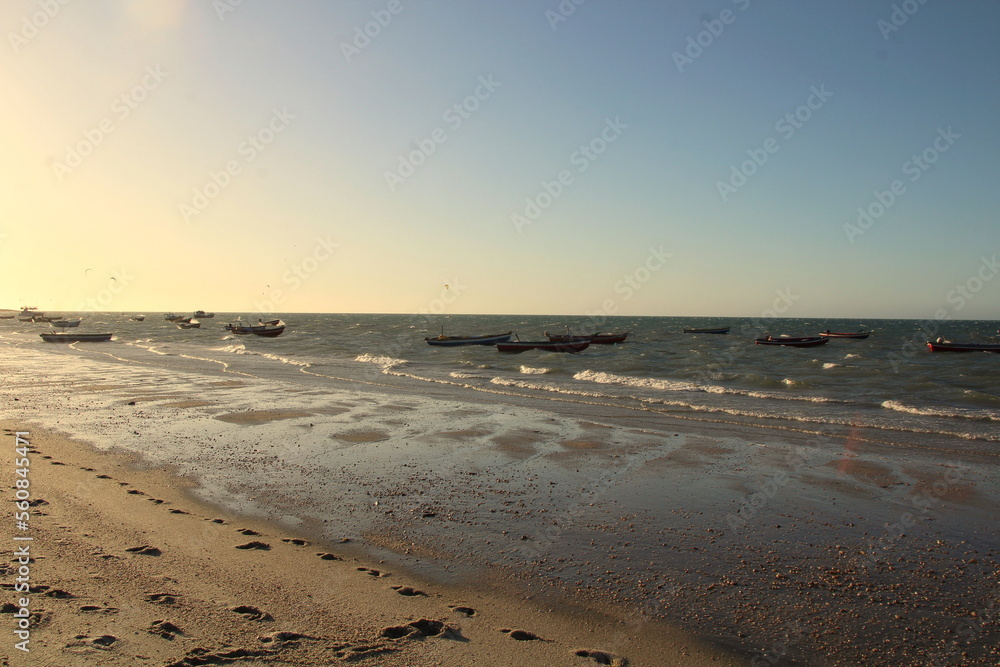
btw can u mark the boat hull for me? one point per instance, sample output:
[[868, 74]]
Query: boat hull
[[861, 335], [720, 330], [963, 347], [454, 341], [793, 342], [545, 346], [596, 339], [75, 338]]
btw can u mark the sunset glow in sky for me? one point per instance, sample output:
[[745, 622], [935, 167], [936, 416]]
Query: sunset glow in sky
[[544, 157]]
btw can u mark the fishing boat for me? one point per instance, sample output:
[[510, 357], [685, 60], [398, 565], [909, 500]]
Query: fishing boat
[[5, 316], [857, 335], [137, 318], [188, 323], [203, 315], [28, 314], [269, 329], [66, 324], [717, 330], [452, 341], [544, 346], [794, 341], [942, 345], [172, 317], [597, 338], [75, 337]]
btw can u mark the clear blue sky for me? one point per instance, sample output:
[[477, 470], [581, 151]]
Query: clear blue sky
[[271, 156]]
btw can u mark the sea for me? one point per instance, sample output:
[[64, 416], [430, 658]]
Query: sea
[[645, 472], [889, 381]]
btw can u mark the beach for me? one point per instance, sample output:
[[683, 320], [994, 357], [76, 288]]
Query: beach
[[386, 520]]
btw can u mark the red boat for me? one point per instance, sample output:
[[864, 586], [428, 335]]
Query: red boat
[[545, 346], [859, 335], [945, 346], [595, 338], [801, 341]]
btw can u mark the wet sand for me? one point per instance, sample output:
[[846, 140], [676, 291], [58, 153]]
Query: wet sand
[[606, 527]]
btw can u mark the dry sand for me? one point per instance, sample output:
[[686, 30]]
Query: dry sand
[[128, 569]]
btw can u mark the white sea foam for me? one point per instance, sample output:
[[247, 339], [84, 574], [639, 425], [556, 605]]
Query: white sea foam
[[828, 365], [926, 411], [528, 370], [379, 360]]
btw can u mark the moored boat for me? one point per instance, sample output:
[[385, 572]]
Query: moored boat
[[545, 346], [137, 318], [452, 341], [597, 338], [857, 335], [793, 341], [270, 329], [66, 324], [941, 345], [75, 337], [188, 323], [716, 330], [172, 317], [202, 314]]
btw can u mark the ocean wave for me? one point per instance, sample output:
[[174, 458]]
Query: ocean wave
[[379, 360], [952, 412], [528, 370], [828, 365]]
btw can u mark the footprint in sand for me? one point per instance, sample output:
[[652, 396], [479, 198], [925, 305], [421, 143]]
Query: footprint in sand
[[262, 546], [283, 637], [104, 477], [165, 629], [602, 657], [135, 492], [156, 500], [59, 593], [177, 511], [222, 521], [247, 531], [408, 591], [423, 627], [296, 541], [145, 550], [328, 556], [104, 641], [371, 572], [465, 611], [162, 598], [522, 635], [252, 613]]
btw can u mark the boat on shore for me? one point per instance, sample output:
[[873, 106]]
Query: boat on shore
[[715, 330], [941, 345], [453, 341], [270, 329], [857, 335], [75, 337], [596, 338], [66, 324], [544, 345], [793, 341]]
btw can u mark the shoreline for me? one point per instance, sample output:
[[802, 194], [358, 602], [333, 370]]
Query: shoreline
[[813, 546], [94, 599]]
